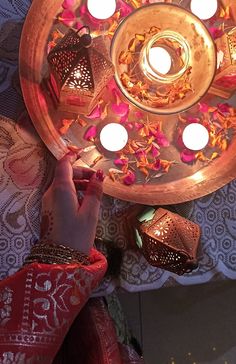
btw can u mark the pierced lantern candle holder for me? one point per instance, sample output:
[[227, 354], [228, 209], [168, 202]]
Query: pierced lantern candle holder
[[170, 242], [80, 68], [224, 84]]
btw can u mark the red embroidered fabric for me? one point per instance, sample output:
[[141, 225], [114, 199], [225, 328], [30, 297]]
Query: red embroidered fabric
[[39, 304]]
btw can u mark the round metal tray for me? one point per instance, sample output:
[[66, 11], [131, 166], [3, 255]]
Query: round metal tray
[[182, 183]]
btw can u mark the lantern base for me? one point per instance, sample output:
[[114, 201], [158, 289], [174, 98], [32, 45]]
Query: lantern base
[[78, 105]]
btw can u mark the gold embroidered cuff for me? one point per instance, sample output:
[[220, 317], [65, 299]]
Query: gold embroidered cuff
[[48, 252]]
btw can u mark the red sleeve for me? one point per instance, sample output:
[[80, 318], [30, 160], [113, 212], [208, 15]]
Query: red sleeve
[[38, 305]]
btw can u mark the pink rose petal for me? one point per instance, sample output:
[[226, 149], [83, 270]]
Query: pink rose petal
[[129, 179], [224, 108], [96, 113], [161, 139], [124, 118], [203, 107], [125, 9], [191, 119], [187, 156], [67, 17], [120, 162], [120, 109], [138, 126], [130, 126], [67, 4], [155, 151], [216, 32], [90, 133], [157, 165]]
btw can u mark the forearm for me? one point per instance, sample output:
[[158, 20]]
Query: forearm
[[39, 304]]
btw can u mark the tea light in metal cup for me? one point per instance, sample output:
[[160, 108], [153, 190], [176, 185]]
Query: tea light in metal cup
[[204, 9], [113, 137], [159, 60], [101, 9], [195, 136]]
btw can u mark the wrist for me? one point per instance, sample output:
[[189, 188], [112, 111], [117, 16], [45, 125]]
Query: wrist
[[49, 252]]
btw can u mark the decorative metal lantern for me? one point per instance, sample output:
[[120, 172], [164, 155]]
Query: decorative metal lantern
[[224, 84], [79, 71], [170, 242]]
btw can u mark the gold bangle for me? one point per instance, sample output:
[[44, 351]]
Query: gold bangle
[[48, 252]]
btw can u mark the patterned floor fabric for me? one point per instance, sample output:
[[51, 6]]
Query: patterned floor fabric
[[27, 168]]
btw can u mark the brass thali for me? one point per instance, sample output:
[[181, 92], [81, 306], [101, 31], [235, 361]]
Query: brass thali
[[182, 183]]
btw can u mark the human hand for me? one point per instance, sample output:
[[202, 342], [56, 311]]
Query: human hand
[[65, 220]]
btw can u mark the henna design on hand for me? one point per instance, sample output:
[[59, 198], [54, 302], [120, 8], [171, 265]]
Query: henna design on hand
[[46, 224]]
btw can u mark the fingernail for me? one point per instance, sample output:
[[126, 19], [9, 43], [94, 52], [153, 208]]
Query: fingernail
[[100, 175]]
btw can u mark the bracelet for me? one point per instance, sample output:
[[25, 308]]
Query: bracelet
[[48, 252]]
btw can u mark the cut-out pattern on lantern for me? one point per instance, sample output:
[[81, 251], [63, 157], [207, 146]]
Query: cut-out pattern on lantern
[[232, 7], [169, 241], [80, 68], [225, 81]]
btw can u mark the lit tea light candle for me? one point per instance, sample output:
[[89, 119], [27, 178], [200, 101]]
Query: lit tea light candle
[[101, 9], [195, 136], [159, 60], [113, 137], [204, 9]]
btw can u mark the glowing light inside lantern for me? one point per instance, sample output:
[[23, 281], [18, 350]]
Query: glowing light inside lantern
[[204, 9], [195, 136], [160, 60], [101, 9], [113, 137]]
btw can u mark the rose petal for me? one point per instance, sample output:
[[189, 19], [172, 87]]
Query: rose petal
[[162, 139], [125, 9], [138, 126], [90, 133], [129, 179], [68, 4], [121, 109], [67, 17], [187, 156], [96, 113], [216, 32], [203, 107], [155, 151], [224, 108], [191, 119], [120, 162], [156, 165]]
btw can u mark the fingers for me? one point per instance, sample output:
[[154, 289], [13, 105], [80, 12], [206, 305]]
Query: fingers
[[63, 170], [93, 196], [82, 173]]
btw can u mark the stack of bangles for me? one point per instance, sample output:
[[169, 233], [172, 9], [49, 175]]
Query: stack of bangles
[[48, 252]]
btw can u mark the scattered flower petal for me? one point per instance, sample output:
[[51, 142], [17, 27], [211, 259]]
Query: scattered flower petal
[[216, 32], [187, 156], [121, 109], [203, 107], [67, 17], [96, 113], [121, 161], [224, 108], [129, 179], [162, 139], [66, 123], [67, 4], [125, 9], [91, 133]]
